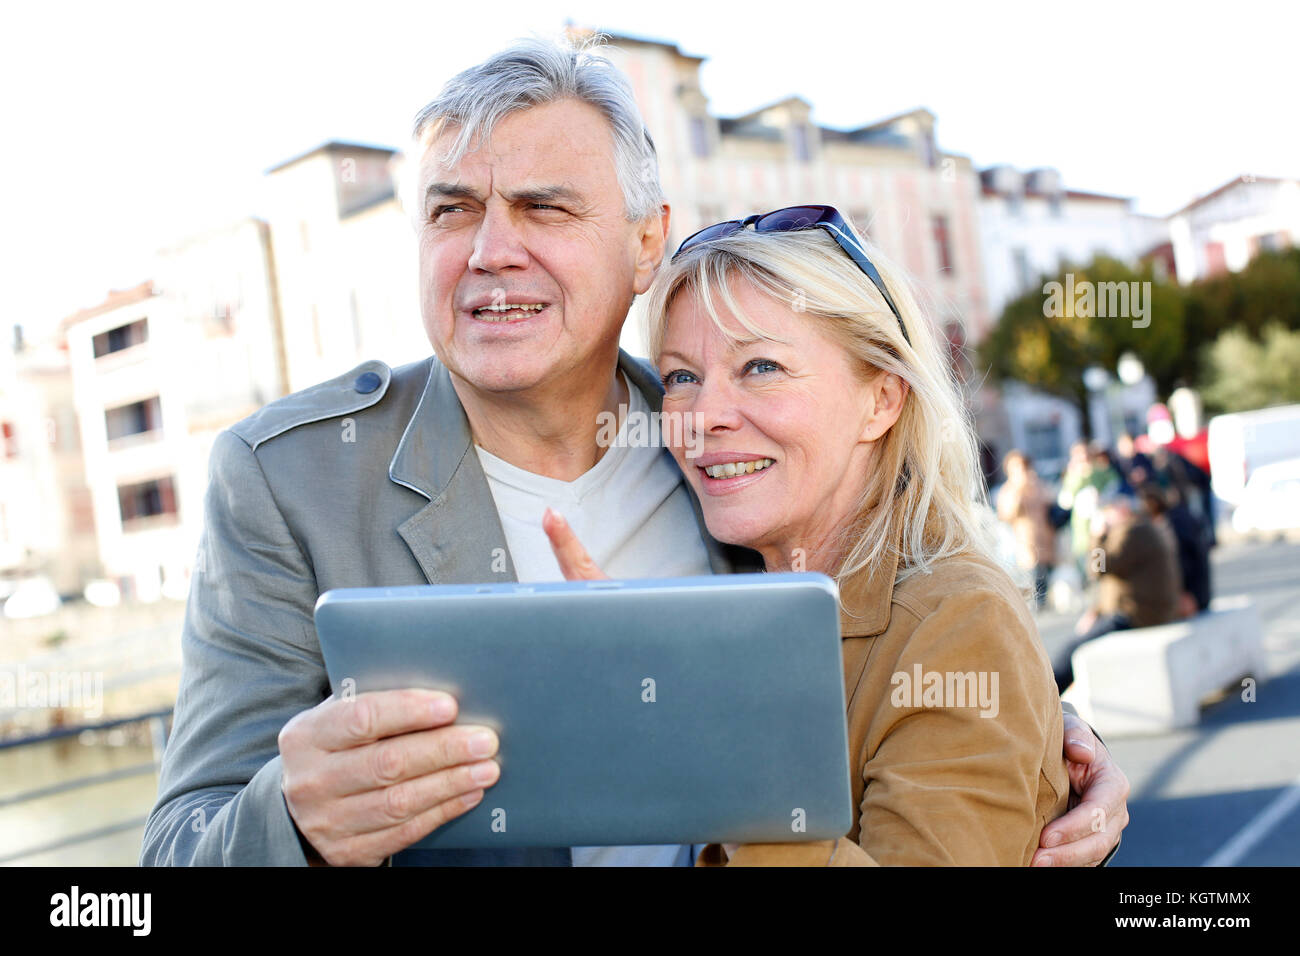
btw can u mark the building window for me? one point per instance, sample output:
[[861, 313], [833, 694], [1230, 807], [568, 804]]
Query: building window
[[802, 150], [122, 337], [1272, 242], [146, 499], [1043, 441], [699, 137], [1024, 276], [929, 155], [1054, 205], [134, 419], [942, 244]]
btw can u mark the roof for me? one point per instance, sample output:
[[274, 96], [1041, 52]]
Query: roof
[[333, 146], [115, 299], [1246, 179]]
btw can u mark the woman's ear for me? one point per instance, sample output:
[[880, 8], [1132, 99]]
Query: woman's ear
[[886, 395]]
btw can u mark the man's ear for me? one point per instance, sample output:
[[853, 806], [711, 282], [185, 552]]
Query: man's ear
[[888, 392], [653, 239]]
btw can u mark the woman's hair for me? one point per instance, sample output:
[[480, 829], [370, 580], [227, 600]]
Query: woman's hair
[[925, 479]]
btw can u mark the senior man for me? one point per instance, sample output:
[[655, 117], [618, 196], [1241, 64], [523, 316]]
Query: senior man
[[539, 218]]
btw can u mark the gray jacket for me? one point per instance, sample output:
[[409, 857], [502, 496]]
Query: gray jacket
[[361, 481]]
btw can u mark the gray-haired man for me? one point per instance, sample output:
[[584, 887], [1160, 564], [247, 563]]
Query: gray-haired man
[[533, 242]]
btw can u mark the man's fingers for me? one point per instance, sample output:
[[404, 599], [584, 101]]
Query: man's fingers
[[371, 849], [344, 724], [575, 562], [1080, 742], [394, 805], [410, 756], [1090, 850]]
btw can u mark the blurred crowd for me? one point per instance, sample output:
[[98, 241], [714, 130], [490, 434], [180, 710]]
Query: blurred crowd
[[1140, 526]]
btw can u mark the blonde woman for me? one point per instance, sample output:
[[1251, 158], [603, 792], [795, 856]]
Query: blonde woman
[[833, 438]]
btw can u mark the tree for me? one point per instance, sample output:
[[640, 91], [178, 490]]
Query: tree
[[1266, 291], [1244, 374], [1047, 337]]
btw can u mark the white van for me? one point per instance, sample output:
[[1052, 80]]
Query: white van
[[1242, 442]]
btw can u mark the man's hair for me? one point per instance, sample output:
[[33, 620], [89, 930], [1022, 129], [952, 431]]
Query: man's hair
[[533, 72], [925, 483]]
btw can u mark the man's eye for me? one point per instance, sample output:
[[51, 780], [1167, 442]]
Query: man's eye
[[677, 377], [440, 211]]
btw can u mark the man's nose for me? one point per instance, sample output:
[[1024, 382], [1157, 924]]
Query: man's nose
[[498, 244]]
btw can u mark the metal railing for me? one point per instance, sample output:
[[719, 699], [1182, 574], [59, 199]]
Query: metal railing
[[158, 722]]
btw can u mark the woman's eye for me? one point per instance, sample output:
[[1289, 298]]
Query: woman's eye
[[764, 365], [677, 377]]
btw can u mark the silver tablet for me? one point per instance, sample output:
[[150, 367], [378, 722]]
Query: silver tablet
[[681, 710]]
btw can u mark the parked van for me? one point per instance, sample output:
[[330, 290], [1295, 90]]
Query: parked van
[[1243, 441]]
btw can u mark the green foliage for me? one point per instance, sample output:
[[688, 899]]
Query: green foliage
[[1242, 374], [1050, 351], [1178, 347]]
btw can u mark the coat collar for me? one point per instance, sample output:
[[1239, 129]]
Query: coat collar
[[433, 458], [866, 599]]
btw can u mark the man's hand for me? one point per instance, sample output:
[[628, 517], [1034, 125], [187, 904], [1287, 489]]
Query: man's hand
[[367, 777], [1098, 804]]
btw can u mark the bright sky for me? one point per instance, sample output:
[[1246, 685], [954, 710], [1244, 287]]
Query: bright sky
[[129, 124]]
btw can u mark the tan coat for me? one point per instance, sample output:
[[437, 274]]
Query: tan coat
[[940, 785]]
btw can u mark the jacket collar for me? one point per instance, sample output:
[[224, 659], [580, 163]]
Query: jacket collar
[[433, 458], [866, 599]]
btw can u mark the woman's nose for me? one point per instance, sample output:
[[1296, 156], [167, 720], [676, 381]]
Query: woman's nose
[[716, 407]]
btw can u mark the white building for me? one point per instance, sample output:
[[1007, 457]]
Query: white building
[[158, 371], [345, 263], [1031, 226], [1224, 230], [46, 521]]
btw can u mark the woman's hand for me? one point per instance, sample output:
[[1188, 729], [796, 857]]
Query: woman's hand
[[575, 562]]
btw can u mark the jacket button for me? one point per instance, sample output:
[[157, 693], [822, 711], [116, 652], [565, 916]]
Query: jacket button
[[367, 382]]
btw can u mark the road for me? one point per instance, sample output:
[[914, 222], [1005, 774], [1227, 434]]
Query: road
[[1228, 790]]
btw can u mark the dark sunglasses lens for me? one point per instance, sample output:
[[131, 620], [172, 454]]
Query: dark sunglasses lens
[[795, 217], [716, 231]]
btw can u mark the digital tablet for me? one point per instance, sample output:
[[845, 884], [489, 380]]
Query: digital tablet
[[670, 711]]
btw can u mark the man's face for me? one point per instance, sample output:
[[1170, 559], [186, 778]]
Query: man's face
[[534, 218]]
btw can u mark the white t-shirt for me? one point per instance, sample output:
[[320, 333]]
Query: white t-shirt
[[633, 514]]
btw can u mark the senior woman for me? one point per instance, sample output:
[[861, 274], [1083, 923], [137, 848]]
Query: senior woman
[[832, 437]]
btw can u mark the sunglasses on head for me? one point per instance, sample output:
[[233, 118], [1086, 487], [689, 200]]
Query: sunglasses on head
[[793, 218]]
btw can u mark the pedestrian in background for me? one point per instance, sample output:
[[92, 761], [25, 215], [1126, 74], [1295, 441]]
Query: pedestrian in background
[[1023, 503], [1139, 582], [1188, 537]]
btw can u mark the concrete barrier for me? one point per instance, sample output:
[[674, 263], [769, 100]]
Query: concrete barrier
[[1153, 679]]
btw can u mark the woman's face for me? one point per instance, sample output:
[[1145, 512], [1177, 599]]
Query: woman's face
[[792, 415]]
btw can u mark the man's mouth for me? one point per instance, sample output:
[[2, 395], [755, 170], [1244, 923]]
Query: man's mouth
[[734, 469], [510, 312]]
